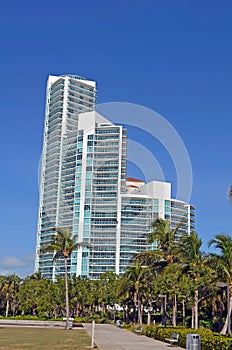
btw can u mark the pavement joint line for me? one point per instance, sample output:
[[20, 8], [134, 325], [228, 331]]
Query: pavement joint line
[[109, 337]]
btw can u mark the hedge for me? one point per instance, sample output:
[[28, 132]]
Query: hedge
[[209, 340]]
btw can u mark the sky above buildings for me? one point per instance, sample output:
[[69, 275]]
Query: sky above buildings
[[173, 57]]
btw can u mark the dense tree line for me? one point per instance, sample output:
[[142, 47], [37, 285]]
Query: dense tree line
[[174, 284]]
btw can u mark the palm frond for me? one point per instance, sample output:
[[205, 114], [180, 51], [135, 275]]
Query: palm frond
[[223, 260], [230, 193]]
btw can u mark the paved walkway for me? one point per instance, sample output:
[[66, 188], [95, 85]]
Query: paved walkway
[[109, 337]]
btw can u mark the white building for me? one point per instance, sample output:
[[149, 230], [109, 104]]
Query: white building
[[66, 97], [84, 187]]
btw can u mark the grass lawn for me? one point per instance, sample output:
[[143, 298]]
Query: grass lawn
[[14, 338]]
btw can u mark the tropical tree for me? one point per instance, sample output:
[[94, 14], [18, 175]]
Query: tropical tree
[[224, 265], [125, 297], [162, 255], [168, 286], [62, 245], [108, 289], [135, 275], [191, 261], [149, 293], [164, 238], [10, 289], [184, 293], [36, 297]]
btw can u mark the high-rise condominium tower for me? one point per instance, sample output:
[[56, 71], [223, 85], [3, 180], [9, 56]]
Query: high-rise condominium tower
[[66, 97], [84, 187]]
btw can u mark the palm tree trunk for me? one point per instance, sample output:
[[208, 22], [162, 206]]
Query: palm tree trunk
[[78, 310], [66, 293], [149, 317], [13, 308], [196, 309], [220, 325], [227, 325], [174, 311], [140, 307], [7, 306], [192, 323], [135, 302], [183, 312], [149, 313]]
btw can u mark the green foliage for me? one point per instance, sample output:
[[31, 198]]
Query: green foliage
[[36, 297], [209, 340], [224, 260], [230, 193], [32, 318], [178, 269], [63, 243], [80, 320], [129, 326]]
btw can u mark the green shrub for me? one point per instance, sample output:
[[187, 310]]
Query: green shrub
[[209, 340], [32, 318], [128, 326], [80, 320]]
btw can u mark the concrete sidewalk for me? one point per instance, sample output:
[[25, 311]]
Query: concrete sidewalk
[[109, 337]]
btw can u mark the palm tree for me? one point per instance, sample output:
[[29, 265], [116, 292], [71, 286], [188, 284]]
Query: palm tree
[[108, 289], [224, 264], [62, 244], [164, 237], [136, 275], [163, 255], [10, 290], [191, 262], [184, 293]]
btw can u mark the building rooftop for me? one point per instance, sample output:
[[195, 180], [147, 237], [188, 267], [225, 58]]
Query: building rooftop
[[131, 179], [73, 76]]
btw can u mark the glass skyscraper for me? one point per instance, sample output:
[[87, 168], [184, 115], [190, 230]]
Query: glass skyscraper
[[84, 187], [66, 97]]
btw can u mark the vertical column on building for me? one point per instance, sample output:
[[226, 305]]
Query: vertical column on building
[[119, 200]]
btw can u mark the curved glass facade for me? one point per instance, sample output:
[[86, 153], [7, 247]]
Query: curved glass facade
[[67, 96], [84, 187]]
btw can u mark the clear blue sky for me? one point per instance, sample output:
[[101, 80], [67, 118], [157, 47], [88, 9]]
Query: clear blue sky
[[174, 57]]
